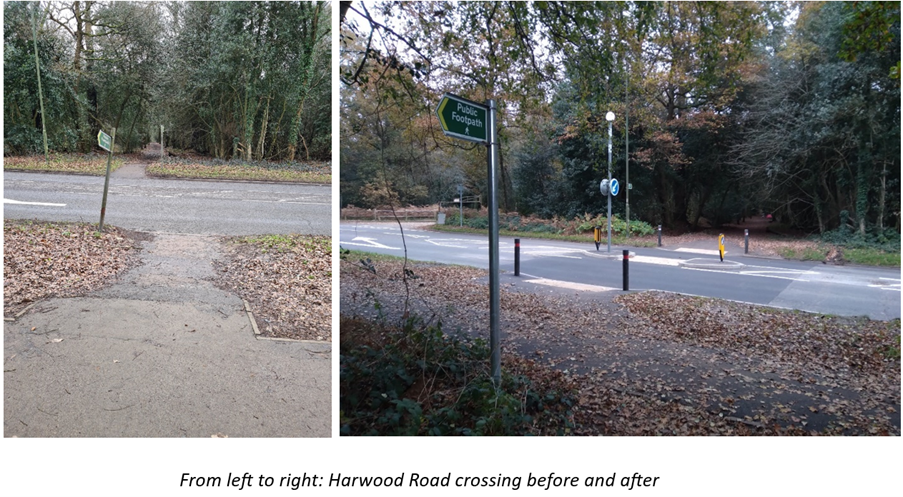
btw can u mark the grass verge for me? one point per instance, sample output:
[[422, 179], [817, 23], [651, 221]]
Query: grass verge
[[90, 164], [288, 172], [872, 257], [285, 243], [865, 256], [634, 241]]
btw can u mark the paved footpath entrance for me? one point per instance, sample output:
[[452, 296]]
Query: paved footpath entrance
[[161, 353]]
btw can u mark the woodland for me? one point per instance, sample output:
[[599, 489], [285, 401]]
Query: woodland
[[246, 81], [724, 110]]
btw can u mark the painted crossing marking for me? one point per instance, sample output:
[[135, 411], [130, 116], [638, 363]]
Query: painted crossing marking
[[570, 285], [662, 261], [450, 243], [546, 251], [792, 275], [894, 287], [369, 242], [18, 202], [698, 251]]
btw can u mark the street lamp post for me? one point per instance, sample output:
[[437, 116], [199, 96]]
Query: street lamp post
[[627, 147], [610, 116]]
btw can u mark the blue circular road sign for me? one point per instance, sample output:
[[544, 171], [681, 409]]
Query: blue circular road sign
[[615, 187]]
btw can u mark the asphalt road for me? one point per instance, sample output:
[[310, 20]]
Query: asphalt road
[[807, 286], [172, 206]]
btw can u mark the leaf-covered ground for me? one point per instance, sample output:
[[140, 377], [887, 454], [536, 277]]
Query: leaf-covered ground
[[665, 364], [42, 260], [91, 164], [193, 167], [286, 279]]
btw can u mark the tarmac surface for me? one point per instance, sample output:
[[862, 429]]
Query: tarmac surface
[[160, 353]]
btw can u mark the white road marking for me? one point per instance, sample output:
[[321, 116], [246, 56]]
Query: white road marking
[[446, 243], [894, 287], [17, 202], [663, 261], [368, 242], [546, 251], [284, 201], [753, 273], [570, 285], [698, 251], [541, 254]]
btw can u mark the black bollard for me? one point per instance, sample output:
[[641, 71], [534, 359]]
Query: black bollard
[[659, 235], [745, 241], [626, 270], [517, 257]]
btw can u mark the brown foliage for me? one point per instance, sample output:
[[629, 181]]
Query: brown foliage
[[287, 280], [42, 260]]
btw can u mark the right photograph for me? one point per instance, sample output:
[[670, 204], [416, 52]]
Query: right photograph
[[620, 218]]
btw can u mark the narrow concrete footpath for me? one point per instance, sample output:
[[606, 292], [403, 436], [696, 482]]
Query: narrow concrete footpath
[[161, 353]]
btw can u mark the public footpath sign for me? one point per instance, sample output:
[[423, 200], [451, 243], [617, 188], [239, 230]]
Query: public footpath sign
[[104, 141], [464, 119], [467, 120], [615, 187]]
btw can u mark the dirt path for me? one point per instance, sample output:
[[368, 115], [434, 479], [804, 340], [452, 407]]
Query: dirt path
[[133, 170]]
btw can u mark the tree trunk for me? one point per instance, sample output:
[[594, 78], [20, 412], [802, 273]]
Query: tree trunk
[[881, 195], [862, 191], [261, 144], [128, 137], [296, 130]]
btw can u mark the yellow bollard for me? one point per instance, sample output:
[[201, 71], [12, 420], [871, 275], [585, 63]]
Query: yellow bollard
[[721, 246]]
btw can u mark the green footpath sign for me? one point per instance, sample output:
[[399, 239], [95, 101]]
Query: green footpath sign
[[461, 118], [104, 141]]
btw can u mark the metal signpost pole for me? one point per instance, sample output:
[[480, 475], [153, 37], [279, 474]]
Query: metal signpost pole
[[627, 153], [34, 30], [472, 121], [610, 118], [106, 182], [496, 361]]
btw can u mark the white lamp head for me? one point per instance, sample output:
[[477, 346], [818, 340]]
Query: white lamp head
[[610, 116]]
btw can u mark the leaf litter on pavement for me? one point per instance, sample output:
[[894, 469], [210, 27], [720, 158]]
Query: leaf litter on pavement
[[656, 363], [42, 260], [287, 281]]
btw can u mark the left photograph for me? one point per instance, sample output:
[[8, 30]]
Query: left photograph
[[167, 267]]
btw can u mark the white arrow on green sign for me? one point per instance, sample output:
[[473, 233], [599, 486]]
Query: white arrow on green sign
[[104, 141], [462, 118]]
